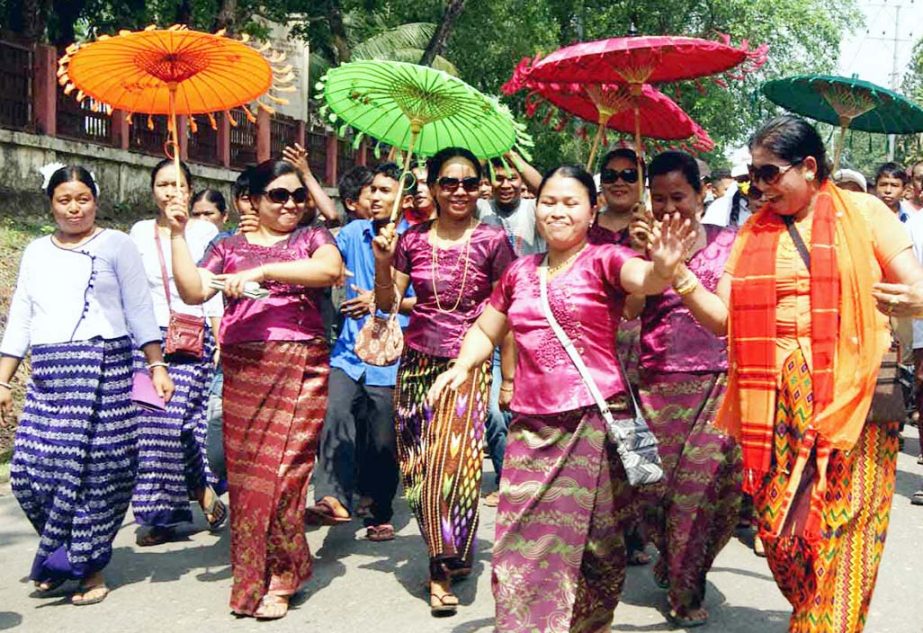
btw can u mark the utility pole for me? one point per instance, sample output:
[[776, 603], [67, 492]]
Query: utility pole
[[894, 74]]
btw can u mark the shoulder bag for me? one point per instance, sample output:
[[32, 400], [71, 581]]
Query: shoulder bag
[[634, 441], [185, 332], [380, 341]]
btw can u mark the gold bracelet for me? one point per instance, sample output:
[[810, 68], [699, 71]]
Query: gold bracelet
[[506, 388], [688, 287]]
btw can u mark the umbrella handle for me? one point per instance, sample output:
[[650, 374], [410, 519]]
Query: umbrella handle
[[174, 137], [639, 148], [414, 133], [597, 139], [841, 140]]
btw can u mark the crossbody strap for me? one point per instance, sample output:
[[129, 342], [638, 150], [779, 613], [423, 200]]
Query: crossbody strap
[[571, 350], [796, 238], [163, 267]]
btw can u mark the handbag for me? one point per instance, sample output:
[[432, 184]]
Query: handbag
[[185, 332], [143, 393], [380, 340], [633, 439], [888, 400]]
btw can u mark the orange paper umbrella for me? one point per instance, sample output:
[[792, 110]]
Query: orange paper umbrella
[[174, 71]]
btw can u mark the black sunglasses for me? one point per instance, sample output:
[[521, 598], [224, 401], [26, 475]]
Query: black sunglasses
[[609, 176], [451, 184], [281, 195], [769, 173]]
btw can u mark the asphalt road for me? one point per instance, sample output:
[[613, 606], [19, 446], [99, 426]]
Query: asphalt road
[[379, 587]]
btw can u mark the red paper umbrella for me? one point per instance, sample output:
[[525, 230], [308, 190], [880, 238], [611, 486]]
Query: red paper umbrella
[[645, 59], [611, 106]]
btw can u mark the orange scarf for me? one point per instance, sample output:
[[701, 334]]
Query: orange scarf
[[848, 335]]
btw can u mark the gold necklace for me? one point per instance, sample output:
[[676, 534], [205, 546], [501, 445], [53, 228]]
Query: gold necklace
[[567, 262], [435, 267]]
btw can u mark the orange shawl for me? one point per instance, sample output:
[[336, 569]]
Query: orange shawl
[[844, 382]]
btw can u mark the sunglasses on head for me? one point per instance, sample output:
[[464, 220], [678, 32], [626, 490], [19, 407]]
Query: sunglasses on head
[[451, 184], [281, 195], [769, 173], [609, 176]]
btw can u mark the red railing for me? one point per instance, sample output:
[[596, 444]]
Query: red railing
[[15, 85], [316, 140], [346, 156], [243, 141], [203, 144]]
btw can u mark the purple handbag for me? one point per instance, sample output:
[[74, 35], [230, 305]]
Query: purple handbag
[[143, 393]]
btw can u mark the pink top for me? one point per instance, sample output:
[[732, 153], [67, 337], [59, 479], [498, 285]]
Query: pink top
[[434, 331], [671, 338], [290, 312], [587, 301]]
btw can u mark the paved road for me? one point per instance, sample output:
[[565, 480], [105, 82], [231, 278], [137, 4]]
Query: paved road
[[364, 586]]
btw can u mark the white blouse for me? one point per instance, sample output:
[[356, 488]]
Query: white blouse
[[95, 290], [199, 235]]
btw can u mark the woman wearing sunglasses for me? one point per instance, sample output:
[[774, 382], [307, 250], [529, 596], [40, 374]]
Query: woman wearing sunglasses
[[692, 513], [453, 263], [275, 361], [804, 305], [172, 455], [618, 181]]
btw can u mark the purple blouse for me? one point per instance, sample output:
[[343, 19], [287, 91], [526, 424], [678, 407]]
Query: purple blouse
[[671, 338], [587, 301], [440, 332], [290, 312]]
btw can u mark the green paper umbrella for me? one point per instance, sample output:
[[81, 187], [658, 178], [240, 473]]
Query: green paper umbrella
[[416, 109], [847, 102]]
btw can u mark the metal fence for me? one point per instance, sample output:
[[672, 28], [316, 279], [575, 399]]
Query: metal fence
[[203, 143], [346, 156], [243, 140], [15, 85], [79, 121], [148, 134], [316, 140], [283, 131]]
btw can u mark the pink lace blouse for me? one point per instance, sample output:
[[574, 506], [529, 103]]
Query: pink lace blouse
[[587, 301], [437, 329], [290, 313]]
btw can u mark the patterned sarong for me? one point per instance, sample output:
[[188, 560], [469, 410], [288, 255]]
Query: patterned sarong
[[565, 503], [172, 461], [75, 454], [692, 513], [829, 581], [275, 395], [440, 453]]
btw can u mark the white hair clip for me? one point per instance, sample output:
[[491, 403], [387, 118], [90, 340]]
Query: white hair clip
[[47, 171]]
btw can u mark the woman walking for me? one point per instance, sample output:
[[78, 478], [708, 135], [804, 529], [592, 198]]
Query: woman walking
[[275, 361], [694, 510], [565, 501], [80, 306], [172, 462], [798, 301], [453, 263]]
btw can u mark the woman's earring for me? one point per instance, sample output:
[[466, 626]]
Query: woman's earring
[[809, 176]]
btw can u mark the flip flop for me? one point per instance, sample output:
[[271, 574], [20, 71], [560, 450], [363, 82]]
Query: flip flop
[[49, 588], [444, 605], [218, 513], [323, 513], [379, 533], [102, 590], [687, 622], [272, 600]]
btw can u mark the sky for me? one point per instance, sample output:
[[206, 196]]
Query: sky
[[869, 51]]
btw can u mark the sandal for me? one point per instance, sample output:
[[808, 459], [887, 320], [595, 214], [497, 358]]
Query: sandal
[[90, 595], [216, 514], [272, 607], [364, 508], [697, 617], [45, 588], [379, 533], [323, 513], [157, 535], [442, 605]]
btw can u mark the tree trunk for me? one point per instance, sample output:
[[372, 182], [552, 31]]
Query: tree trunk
[[440, 38], [67, 12], [341, 50], [34, 19], [227, 16]]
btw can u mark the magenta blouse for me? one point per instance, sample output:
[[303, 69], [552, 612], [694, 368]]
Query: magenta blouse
[[291, 312], [440, 332], [671, 338], [587, 301]]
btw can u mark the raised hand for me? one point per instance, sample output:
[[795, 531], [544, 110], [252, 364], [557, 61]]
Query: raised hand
[[668, 244], [385, 243], [640, 228], [177, 214], [298, 157]]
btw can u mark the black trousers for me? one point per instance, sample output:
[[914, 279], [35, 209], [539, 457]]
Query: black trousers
[[358, 436]]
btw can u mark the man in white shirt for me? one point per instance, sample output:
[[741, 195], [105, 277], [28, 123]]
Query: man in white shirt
[[732, 208], [508, 209]]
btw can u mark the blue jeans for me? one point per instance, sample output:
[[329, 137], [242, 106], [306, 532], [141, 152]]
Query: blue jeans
[[214, 438], [498, 422]]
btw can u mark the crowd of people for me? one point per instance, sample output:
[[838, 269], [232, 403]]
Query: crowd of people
[[651, 356]]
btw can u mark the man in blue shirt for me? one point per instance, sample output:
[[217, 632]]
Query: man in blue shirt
[[360, 396]]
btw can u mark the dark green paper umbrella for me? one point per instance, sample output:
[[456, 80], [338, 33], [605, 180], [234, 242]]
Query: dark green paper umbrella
[[847, 102], [417, 109]]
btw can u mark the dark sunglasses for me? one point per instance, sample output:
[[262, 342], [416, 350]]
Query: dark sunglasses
[[451, 184], [609, 176], [769, 173], [281, 195]]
